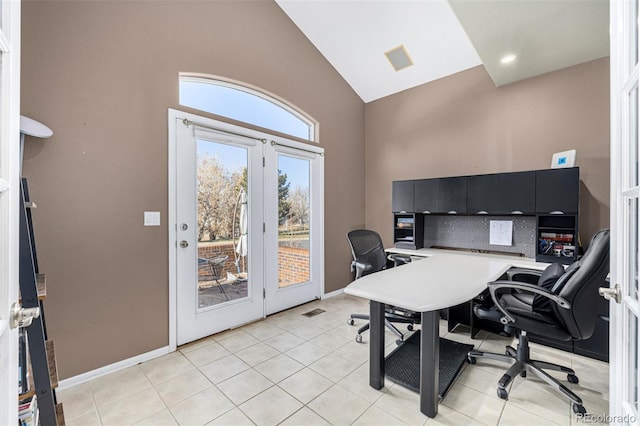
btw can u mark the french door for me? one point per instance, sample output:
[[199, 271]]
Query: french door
[[9, 202], [245, 223], [625, 209], [294, 244]]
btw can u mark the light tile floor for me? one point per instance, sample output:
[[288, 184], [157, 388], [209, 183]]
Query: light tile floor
[[293, 370]]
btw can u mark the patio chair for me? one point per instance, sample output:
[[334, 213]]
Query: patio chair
[[212, 270]]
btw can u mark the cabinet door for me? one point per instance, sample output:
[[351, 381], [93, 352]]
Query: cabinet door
[[483, 194], [452, 195], [517, 192], [426, 195], [557, 190], [402, 195]]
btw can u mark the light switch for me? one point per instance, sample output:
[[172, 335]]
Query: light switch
[[151, 218]]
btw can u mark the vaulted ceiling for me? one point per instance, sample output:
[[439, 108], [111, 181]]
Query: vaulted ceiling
[[444, 37]]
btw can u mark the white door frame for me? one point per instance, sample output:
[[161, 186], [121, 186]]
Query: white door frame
[[173, 115], [623, 403], [9, 202]]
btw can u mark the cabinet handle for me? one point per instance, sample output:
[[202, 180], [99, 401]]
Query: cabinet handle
[[452, 212], [516, 212], [482, 212], [556, 212], [402, 211], [426, 212]]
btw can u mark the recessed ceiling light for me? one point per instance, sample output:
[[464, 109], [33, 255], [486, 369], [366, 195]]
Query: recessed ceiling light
[[399, 58], [507, 59]]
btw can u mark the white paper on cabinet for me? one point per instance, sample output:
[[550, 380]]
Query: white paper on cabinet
[[501, 232]]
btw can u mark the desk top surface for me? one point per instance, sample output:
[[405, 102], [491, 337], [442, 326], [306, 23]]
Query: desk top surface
[[442, 279]]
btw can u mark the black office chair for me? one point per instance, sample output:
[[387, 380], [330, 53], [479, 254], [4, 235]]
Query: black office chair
[[561, 306], [369, 257]]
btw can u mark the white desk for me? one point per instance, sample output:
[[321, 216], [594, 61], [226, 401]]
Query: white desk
[[443, 279]]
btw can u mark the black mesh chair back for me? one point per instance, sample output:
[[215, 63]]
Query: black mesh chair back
[[580, 288], [366, 247], [369, 256]]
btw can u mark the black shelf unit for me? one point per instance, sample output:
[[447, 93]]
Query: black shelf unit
[[557, 238], [41, 365], [408, 230]]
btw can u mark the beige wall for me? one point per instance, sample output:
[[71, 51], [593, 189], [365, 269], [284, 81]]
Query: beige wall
[[101, 75], [464, 124]]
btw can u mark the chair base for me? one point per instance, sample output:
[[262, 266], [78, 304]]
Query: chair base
[[388, 322], [522, 364]]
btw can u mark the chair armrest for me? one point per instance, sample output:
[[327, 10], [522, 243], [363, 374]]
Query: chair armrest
[[523, 271], [497, 287], [399, 259], [360, 267]]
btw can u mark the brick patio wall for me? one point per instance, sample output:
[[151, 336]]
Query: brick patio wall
[[293, 262], [293, 265], [214, 249]]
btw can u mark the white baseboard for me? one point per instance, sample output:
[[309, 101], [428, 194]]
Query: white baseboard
[[121, 365], [111, 368], [333, 293]]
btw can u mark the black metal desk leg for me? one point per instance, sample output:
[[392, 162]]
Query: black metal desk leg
[[376, 346], [429, 363]]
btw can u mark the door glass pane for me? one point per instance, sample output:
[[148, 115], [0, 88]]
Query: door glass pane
[[632, 366], [222, 218], [293, 220], [2, 103], [633, 36], [632, 247], [632, 146]]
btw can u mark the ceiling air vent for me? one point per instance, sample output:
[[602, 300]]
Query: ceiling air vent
[[399, 58]]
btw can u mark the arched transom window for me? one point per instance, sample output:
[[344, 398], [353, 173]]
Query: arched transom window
[[245, 103]]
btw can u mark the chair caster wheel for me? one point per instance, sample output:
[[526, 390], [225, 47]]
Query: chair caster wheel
[[398, 342], [351, 321], [410, 327], [502, 393], [359, 338], [579, 409], [572, 378], [471, 360]]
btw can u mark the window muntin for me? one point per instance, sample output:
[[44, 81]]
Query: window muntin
[[244, 104]]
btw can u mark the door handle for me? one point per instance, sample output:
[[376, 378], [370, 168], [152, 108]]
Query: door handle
[[184, 244], [22, 317], [611, 293]]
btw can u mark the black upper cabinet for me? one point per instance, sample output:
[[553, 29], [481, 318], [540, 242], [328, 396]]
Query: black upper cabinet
[[402, 196], [483, 194], [531, 192], [517, 193], [426, 195], [452, 195], [557, 190]]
